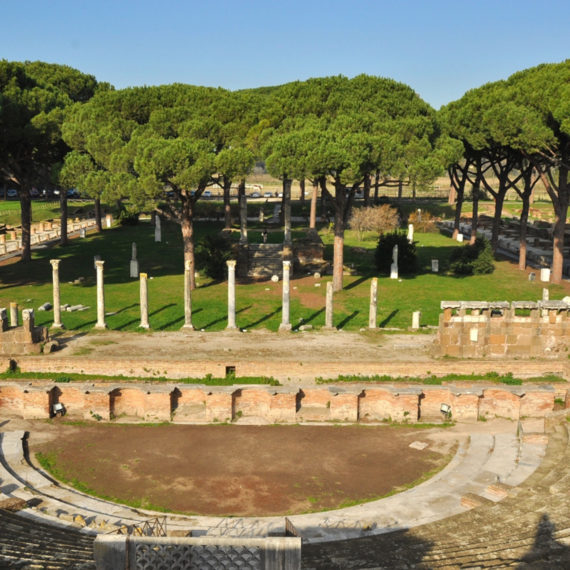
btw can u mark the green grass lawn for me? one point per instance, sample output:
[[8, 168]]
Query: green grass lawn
[[258, 304], [41, 210]]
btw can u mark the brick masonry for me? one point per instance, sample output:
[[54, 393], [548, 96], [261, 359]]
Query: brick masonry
[[521, 329], [183, 403]]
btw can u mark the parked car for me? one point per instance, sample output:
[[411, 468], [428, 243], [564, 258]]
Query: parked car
[[267, 195], [12, 194], [255, 195], [207, 194], [73, 193]]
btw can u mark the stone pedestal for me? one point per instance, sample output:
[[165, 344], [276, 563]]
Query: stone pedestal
[[416, 317], [545, 274], [394, 265], [134, 266]]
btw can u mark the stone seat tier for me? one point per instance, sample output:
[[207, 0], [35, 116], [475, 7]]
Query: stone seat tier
[[508, 533]]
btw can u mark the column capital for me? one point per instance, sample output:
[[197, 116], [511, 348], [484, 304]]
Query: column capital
[[287, 264], [99, 264], [55, 263], [143, 275], [231, 263]]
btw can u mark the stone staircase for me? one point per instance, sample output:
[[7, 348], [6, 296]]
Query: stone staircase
[[28, 543], [530, 528], [265, 260]]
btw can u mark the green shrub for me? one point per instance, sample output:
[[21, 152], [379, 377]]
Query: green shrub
[[407, 260], [473, 259], [212, 252]]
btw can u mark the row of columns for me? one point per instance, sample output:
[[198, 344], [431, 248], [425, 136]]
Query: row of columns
[[231, 264]]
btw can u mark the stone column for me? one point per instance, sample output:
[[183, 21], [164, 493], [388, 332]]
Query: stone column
[[134, 268], [109, 220], [187, 297], [285, 324], [13, 314], [329, 306], [56, 301], [100, 296], [157, 229], [411, 233], [287, 212], [394, 266], [373, 303], [231, 294], [144, 301]]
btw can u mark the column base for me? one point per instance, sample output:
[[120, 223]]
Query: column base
[[187, 327], [285, 327], [57, 326], [231, 328], [141, 326], [100, 326]]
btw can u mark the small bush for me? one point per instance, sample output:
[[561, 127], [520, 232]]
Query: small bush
[[423, 221], [380, 219], [407, 261], [212, 252], [475, 259]]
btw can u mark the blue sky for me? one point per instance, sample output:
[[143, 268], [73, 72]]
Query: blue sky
[[441, 48]]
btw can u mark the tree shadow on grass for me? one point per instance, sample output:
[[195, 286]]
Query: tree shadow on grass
[[388, 318], [263, 319], [225, 318], [309, 319], [133, 321], [176, 320], [356, 283], [347, 319]]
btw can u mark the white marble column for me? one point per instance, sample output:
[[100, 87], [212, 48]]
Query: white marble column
[[56, 300], [100, 296], [372, 315], [231, 263], [285, 324], [144, 301], [187, 297]]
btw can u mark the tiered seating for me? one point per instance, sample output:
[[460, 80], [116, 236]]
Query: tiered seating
[[28, 543], [528, 529]]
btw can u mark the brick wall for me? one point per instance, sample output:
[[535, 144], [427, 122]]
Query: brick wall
[[355, 403]]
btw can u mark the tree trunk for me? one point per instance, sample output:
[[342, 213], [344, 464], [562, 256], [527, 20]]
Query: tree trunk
[[451, 199], [367, 184], [475, 217], [227, 204], [414, 184], [400, 188], [314, 197], [376, 186], [499, 200], [523, 231], [242, 198], [338, 256], [561, 209], [63, 216], [302, 187], [26, 217], [187, 227], [98, 215]]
